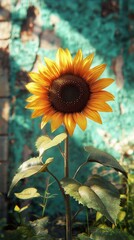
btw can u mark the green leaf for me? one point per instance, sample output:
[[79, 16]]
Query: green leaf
[[84, 195], [18, 209], [24, 208], [98, 216], [25, 172], [71, 187], [91, 200], [108, 194], [43, 143], [109, 234], [83, 236], [44, 167], [104, 158], [39, 225], [28, 193], [30, 163], [121, 216]]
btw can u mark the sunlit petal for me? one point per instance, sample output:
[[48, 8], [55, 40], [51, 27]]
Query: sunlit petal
[[77, 62], [53, 67], [93, 115], [86, 64], [56, 121], [39, 112], [99, 106], [47, 117], [35, 88], [69, 123], [80, 119], [102, 95], [95, 72], [69, 57], [101, 84], [32, 98], [61, 60], [37, 78]]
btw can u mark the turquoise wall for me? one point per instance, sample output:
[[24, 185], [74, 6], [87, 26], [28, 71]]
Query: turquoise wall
[[38, 29]]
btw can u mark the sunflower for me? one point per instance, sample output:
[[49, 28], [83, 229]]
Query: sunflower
[[67, 91]]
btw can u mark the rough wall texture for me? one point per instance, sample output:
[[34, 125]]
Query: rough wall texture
[[38, 29], [5, 30]]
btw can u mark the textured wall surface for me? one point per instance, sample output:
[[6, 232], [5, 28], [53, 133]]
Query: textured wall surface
[[38, 28], [5, 31]]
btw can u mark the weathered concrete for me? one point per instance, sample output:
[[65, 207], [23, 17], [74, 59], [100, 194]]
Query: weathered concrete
[[103, 27]]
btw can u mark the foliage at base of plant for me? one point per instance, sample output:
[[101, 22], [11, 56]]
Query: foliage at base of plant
[[35, 230], [96, 193], [109, 234]]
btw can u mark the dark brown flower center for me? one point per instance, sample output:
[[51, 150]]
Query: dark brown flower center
[[69, 94]]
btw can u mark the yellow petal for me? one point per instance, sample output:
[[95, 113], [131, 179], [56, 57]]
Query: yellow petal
[[69, 123], [56, 121], [43, 124], [87, 63], [102, 95], [47, 117], [44, 71], [77, 62], [39, 112], [32, 98], [78, 57], [61, 60], [100, 84], [69, 57], [80, 119], [52, 66], [35, 88], [95, 73], [37, 78], [38, 104], [46, 74], [99, 106], [93, 115]]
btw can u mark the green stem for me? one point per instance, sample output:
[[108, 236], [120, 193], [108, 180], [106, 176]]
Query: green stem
[[82, 165], [87, 221], [67, 197], [45, 198], [62, 191], [75, 215]]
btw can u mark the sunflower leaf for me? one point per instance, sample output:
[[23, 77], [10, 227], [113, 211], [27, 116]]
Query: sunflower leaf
[[28, 193], [35, 161], [29, 170], [104, 158], [91, 200], [19, 210], [43, 143], [85, 196], [16, 208], [71, 187], [43, 140], [108, 194]]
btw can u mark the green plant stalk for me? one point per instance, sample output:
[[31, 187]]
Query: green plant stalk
[[87, 221], [45, 199], [62, 191], [79, 168], [67, 197]]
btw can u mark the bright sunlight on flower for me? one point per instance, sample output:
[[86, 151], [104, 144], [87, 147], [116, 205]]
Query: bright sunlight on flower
[[68, 91]]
